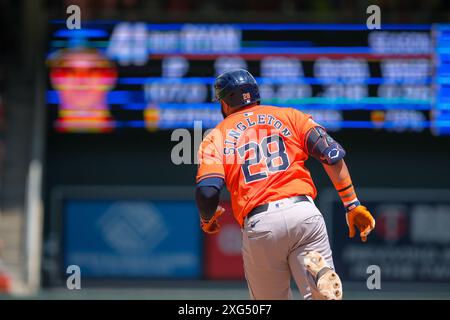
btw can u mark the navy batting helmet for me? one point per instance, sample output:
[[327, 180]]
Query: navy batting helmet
[[237, 88]]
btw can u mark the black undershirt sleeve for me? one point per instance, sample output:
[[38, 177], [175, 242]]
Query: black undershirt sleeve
[[207, 196]]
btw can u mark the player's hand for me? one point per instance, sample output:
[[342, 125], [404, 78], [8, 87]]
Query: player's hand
[[212, 225], [362, 219]]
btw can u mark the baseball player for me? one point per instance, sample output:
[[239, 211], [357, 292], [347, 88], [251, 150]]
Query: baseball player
[[259, 153]]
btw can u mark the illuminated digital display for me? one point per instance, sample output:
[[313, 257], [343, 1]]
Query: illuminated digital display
[[141, 76]]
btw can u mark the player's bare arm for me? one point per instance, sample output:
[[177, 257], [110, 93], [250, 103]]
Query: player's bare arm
[[324, 148], [357, 215]]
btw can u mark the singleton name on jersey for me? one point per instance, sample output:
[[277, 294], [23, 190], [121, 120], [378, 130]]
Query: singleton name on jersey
[[251, 120]]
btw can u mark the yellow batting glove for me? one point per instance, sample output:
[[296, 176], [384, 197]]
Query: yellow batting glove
[[362, 219], [212, 226]]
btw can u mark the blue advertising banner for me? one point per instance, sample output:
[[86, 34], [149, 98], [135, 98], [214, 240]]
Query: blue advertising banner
[[123, 239]]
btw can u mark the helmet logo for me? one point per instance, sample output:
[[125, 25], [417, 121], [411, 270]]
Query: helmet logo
[[246, 96]]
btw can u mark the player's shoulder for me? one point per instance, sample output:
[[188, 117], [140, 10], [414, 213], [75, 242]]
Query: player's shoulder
[[289, 112], [298, 112], [213, 135], [221, 126], [281, 109]]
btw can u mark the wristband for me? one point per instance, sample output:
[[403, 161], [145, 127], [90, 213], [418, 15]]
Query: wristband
[[352, 205]]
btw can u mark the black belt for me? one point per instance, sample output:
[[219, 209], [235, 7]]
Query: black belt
[[264, 207]]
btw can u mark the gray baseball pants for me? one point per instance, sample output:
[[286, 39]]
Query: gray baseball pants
[[273, 247]]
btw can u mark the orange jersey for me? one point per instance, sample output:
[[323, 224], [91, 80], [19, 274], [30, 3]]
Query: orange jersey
[[260, 152]]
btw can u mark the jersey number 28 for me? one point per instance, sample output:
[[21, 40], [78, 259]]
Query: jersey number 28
[[262, 152]]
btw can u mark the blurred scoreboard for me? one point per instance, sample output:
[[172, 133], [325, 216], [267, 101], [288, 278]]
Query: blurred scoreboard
[[121, 76]]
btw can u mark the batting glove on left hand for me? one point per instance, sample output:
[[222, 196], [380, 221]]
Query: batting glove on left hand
[[362, 219], [212, 226]]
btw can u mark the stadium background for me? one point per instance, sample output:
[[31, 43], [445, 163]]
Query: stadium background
[[115, 204]]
